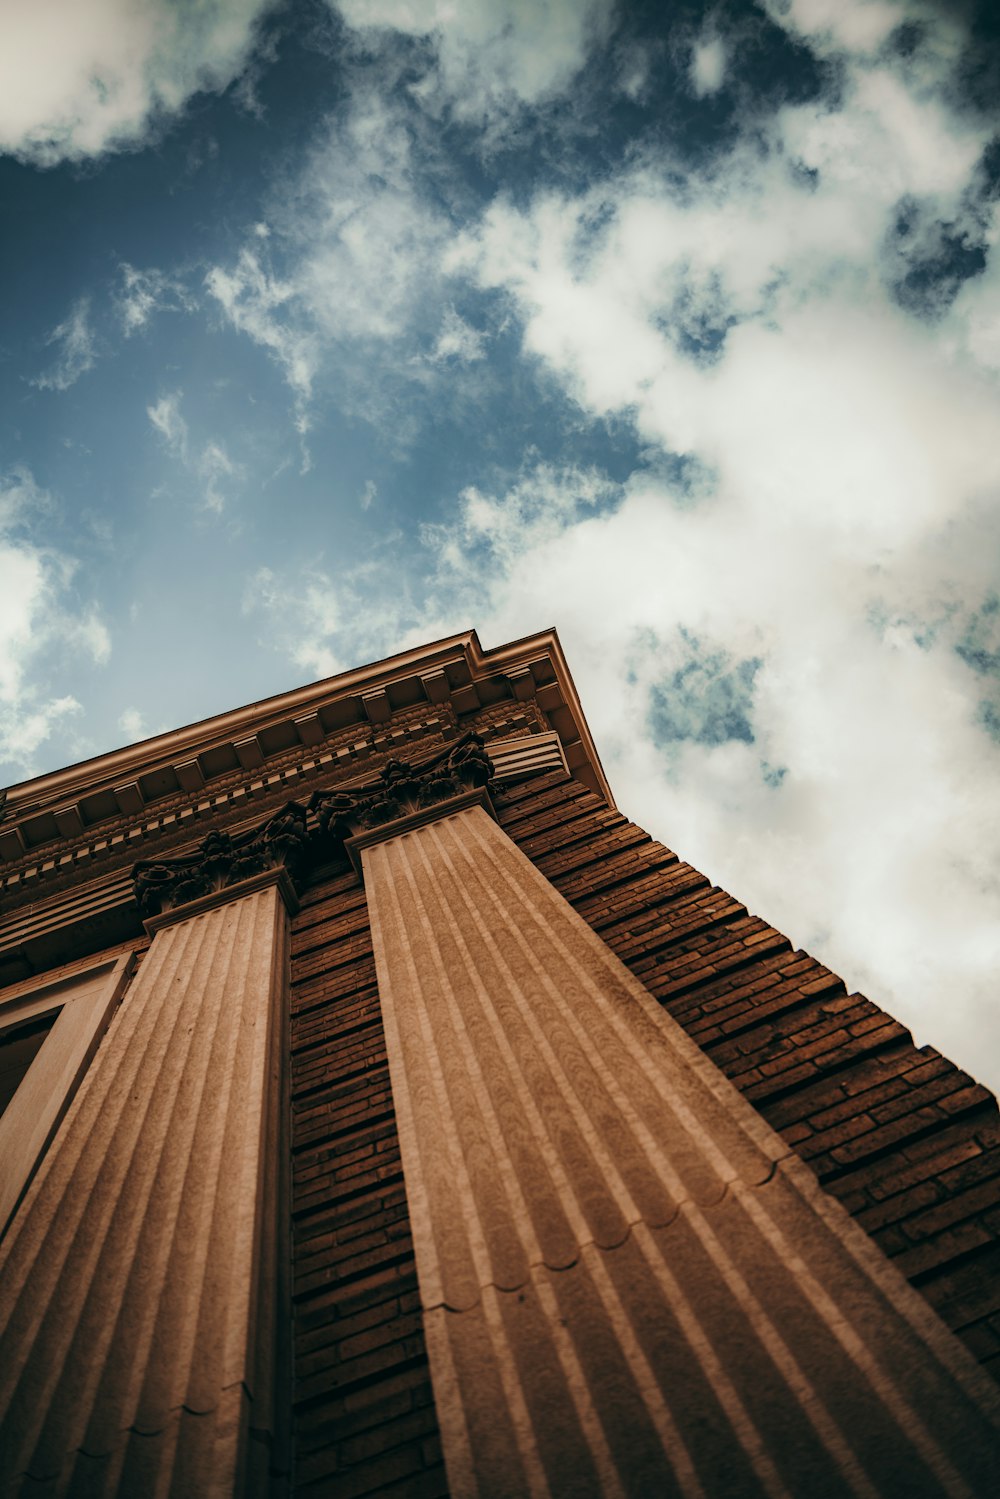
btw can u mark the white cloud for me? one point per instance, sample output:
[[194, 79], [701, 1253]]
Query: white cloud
[[369, 494], [210, 465], [145, 293], [82, 78], [303, 615], [255, 302], [492, 55], [76, 347], [747, 321], [863, 816], [369, 239], [458, 340], [708, 66], [91, 634], [811, 583], [363, 242], [38, 620], [165, 415], [214, 465], [862, 26], [132, 725]]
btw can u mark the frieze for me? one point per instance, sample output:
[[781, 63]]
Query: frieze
[[402, 788], [343, 747], [117, 843], [226, 800], [297, 837], [224, 859]]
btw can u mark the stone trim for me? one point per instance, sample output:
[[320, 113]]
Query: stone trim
[[223, 861], [29, 931], [409, 823], [84, 1002], [47, 869], [226, 893]]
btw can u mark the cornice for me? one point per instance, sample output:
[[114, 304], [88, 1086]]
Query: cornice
[[172, 819], [135, 791], [86, 913], [49, 871]]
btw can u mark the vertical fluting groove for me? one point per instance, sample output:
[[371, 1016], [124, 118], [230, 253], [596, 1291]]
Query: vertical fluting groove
[[488, 995], [452, 1420], [521, 913], [119, 1398], [620, 1196], [827, 1429], [882, 1385], [517, 1407], [744, 1427], [139, 1248], [868, 1367], [123, 1163], [414, 1152], [482, 1004], [783, 1359], [477, 1085], [580, 1393], [96, 1145], [193, 1198], [675, 1449], [465, 891], [550, 921], [430, 1062], [712, 1363], [507, 1022], [833, 1438], [89, 1406], [63, 1176]]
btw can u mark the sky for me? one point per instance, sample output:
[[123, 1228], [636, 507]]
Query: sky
[[332, 328]]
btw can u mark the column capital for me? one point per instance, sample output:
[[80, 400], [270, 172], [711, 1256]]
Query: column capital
[[223, 864], [403, 792], [278, 876], [479, 796], [228, 865]]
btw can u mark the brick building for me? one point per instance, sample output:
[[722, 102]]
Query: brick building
[[385, 1114]]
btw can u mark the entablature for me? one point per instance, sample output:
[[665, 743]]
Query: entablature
[[89, 911], [56, 823]]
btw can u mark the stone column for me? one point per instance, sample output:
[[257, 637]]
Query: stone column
[[140, 1278], [630, 1284]]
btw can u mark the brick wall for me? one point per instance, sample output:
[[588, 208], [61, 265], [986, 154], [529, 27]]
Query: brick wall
[[905, 1140], [363, 1413]]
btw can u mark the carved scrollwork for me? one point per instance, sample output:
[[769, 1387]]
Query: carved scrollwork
[[402, 788], [222, 860], [288, 841]]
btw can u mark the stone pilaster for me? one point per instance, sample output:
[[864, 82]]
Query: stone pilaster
[[630, 1285], [141, 1276]]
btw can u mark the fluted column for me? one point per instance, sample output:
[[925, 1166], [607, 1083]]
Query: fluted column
[[630, 1284], [139, 1278]]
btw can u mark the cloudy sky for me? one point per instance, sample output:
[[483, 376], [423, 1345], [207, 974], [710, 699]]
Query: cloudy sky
[[330, 328]]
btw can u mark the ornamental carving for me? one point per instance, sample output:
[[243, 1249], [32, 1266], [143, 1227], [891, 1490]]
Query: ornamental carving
[[402, 788], [223, 859], [292, 839]]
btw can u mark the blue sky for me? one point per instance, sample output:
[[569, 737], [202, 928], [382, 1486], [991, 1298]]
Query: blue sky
[[328, 329]]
